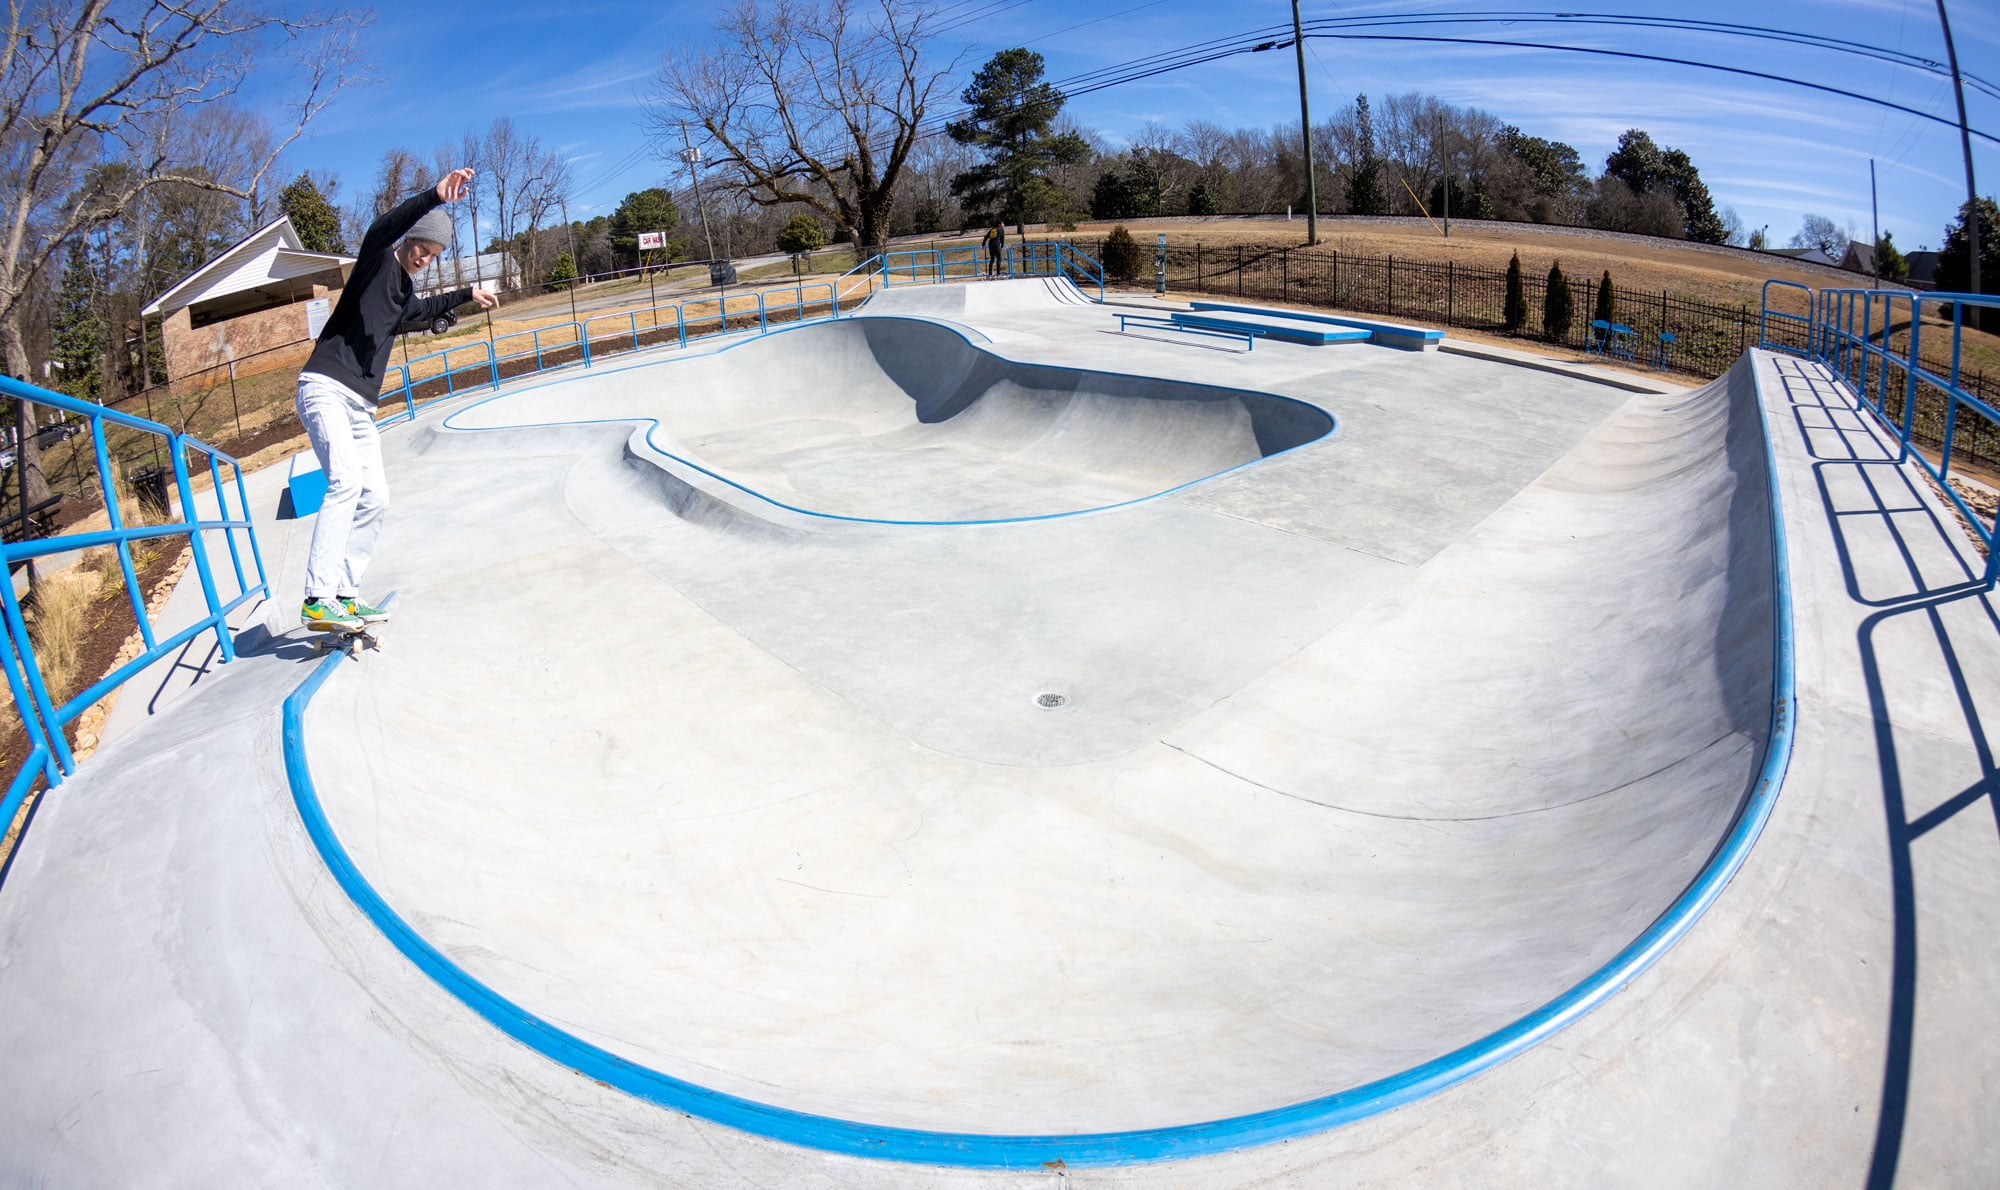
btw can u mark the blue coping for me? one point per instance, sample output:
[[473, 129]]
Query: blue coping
[[1391, 334], [1180, 1141], [652, 425], [307, 484], [1291, 331]]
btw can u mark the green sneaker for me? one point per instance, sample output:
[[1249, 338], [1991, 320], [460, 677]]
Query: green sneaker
[[327, 615], [361, 611]]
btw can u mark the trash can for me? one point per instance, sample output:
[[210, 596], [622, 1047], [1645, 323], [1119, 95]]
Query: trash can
[[721, 272], [150, 484]]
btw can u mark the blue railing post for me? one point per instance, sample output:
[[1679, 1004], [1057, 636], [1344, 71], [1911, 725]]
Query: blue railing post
[[200, 548], [117, 522], [222, 514], [17, 631], [243, 498], [1910, 371]]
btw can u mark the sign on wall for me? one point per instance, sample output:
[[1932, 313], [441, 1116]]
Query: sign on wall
[[317, 311]]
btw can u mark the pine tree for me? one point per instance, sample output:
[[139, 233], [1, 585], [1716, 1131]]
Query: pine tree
[[79, 331], [1201, 199], [1954, 265], [1364, 184], [1889, 263], [1010, 121], [1516, 312], [562, 272], [651, 209], [1558, 307], [1607, 302], [1121, 255], [313, 215]]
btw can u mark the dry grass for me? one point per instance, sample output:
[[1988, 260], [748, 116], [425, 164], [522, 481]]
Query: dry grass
[[58, 617]]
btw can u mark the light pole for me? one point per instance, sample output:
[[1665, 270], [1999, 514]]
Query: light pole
[[1306, 130]]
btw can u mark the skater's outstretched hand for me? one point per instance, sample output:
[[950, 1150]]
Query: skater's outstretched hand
[[486, 300], [452, 186]]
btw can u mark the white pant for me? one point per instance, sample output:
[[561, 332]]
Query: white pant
[[349, 446]]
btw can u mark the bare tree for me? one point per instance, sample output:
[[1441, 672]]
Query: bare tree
[[505, 163], [543, 193], [399, 175], [809, 101], [90, 81]]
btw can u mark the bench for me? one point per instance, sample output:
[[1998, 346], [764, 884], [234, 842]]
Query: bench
[[1385, 334]]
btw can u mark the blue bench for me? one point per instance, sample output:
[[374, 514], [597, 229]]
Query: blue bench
[[1386, 334]]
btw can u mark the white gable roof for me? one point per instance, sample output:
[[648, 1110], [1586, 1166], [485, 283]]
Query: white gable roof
[[271, 253]]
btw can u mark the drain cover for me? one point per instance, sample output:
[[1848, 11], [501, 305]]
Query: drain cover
[[1050, 700]]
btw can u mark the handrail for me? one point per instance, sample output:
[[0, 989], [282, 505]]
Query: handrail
[[1843, 334], [49, 758], [726, 306]]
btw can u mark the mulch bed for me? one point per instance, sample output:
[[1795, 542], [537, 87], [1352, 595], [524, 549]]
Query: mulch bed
[[111, 623]]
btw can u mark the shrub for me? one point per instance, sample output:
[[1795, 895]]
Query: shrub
[[1516, 315], [802, 234], [1607, 301], [1559, 308], [1201, 199], [563, 272], [1122, 258]]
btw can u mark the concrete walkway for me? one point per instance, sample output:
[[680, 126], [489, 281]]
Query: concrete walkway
[[1362, 751]]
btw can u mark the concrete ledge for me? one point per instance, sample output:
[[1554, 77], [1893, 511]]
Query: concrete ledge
[[1386, 334], [1595, 375], [1273, 325]]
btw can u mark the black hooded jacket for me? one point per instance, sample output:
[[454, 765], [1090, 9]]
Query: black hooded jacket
[[354, 346]]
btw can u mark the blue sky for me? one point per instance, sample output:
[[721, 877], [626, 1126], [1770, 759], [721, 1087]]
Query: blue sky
[[574, 74]]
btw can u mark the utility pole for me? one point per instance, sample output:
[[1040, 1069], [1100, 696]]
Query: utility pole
[[1875, 226], [575, 267], [479, 277], [1444, 167], [1965, 143], [1306, 129], [692, 155]]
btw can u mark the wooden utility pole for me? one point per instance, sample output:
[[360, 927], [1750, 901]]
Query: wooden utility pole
[[1306, 130], [1965, 143]]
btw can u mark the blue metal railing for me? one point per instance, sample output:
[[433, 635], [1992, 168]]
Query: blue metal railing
[[967, 262], [922, 266], [49, 756], [539, 343], [1853, 332]]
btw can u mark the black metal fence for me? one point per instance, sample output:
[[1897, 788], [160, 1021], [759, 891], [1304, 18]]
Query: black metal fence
[[1707, 336]]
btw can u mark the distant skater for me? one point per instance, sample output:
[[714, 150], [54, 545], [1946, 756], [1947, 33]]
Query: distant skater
[[996, 246], [339, 386]]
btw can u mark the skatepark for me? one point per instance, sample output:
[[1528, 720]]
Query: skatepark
[[958, 742]]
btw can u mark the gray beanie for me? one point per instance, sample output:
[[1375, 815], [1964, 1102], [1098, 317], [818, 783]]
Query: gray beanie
[[435, 226]]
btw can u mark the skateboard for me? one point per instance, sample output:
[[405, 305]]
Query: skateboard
[[349, 640]]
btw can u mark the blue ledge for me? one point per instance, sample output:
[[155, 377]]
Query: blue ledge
[[1275, 325], [1387, 334]]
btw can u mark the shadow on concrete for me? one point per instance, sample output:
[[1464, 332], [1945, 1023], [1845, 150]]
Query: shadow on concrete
[[1853, 460]]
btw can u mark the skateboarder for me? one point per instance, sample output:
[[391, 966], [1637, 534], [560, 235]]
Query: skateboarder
[[996, 243], [338, 389]]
